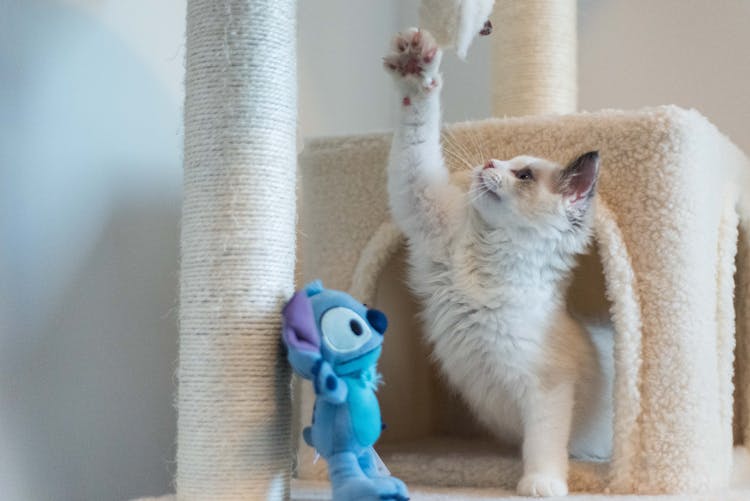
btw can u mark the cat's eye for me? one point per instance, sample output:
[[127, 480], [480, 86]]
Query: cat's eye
[[524, 174]]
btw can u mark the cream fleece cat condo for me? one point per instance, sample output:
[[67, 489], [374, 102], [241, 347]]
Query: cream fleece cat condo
[[666, 229]]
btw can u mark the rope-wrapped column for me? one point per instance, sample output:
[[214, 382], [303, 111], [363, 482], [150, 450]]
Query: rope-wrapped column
[[238, 247], [534, 61]]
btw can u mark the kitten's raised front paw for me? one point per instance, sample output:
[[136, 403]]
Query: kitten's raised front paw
[[414, 61], [542, 485]]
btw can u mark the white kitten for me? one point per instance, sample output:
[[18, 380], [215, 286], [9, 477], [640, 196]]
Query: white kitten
[[491, 267]]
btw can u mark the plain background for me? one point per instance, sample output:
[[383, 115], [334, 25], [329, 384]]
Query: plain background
[[90, 174]]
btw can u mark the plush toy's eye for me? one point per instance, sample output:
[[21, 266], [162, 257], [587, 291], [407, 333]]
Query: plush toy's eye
[[356, 327], [344, 330]]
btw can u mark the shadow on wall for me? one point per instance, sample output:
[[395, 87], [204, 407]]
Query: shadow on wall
[[89, 210]]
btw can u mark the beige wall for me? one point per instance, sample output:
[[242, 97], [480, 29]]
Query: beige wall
[[694, 53]]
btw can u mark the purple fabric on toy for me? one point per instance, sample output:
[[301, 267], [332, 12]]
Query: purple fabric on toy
[[300, 331]]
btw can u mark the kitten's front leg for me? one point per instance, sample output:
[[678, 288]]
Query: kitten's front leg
[[547, 417], [420, 193]]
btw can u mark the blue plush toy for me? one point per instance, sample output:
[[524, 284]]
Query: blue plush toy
[[335, 341]]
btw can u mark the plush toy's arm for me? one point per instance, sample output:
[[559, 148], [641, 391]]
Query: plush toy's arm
[[327, 385], [311, 366]]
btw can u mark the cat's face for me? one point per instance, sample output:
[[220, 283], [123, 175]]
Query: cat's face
[[529, 192]]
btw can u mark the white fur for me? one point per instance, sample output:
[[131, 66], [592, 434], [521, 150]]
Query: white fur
[[455, 23], [491, 273]]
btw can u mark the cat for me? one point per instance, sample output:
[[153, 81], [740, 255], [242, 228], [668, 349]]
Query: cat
[[491, 266]]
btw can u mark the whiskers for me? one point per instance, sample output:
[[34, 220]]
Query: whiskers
[[460, 153], [475, 192], [477, 144], [465, 156], [466, 153], [458, 158], [456, 153]]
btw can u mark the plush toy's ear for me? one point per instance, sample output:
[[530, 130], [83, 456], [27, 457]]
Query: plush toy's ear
[[300, 331], [378, 320]]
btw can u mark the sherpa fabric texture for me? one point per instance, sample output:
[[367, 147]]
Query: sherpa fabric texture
[[305, 490], [666, 226]]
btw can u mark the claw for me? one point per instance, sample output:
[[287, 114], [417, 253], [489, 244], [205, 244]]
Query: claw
[[430, 54], [416, 39], [486, 29]]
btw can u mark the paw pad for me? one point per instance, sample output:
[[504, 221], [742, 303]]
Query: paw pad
[[414, 59]]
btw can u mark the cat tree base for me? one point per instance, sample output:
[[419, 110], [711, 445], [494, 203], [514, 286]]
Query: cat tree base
[[310, 490], [454, 462]]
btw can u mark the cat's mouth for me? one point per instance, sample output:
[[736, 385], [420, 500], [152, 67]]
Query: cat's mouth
[[488, 188]]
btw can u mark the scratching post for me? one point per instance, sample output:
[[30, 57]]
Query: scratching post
[[534, 61], [238, 244]]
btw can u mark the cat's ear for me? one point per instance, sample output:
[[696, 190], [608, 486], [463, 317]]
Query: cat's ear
[[577, 181]]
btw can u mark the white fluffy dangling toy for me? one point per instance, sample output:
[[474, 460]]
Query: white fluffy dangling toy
[[455, 23]]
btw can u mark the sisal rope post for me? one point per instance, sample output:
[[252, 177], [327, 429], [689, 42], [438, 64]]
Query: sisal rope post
[[238, 242], [534, 59]]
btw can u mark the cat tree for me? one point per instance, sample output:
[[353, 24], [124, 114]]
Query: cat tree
[[666, 231], [666, 235]]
